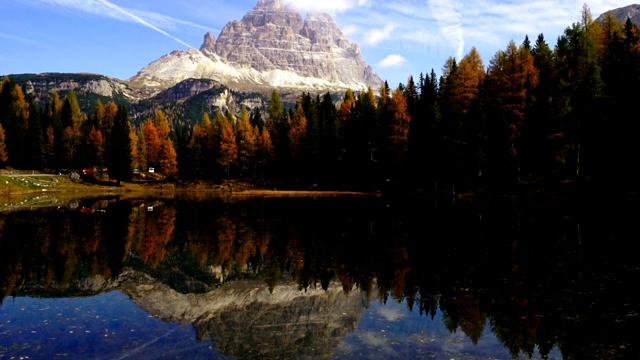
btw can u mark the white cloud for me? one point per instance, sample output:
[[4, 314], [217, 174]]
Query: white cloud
[[350, 30], [376, 36], [393, 60], [326, 6]]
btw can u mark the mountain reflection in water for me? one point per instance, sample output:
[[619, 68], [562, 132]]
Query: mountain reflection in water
[[325, 278]]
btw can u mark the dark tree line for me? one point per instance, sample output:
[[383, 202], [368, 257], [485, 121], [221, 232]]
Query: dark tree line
[[534, 113]]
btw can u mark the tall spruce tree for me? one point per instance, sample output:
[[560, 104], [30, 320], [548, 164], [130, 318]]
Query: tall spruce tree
[[119, 147]]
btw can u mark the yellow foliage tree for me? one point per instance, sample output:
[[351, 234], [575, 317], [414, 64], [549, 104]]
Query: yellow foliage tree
[[466, 80], [162, 125]]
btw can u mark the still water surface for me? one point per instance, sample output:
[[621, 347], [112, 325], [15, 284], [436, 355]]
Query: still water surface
[[338, 278]]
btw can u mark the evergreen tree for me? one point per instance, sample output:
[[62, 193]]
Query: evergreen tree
[[541, 128], [35, 144], [256, 118], [119, 147], [15, 120], [581, 93], [328, 126]]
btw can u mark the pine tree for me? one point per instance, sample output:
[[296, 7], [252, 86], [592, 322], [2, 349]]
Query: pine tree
[[119, 147], [581, 95], [256, 118], [16, 123]]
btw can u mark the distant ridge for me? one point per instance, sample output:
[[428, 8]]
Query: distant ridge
[[631, 11]]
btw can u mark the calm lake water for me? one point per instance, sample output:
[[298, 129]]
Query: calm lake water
[[191, 277]]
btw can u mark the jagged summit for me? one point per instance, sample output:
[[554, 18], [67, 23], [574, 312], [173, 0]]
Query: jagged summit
[[268, 4], [271, 46]]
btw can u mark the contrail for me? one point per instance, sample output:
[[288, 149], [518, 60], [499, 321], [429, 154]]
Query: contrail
[[141, 21]]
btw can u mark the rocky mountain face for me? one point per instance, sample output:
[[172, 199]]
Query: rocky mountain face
[[632, 12], [272, 46]]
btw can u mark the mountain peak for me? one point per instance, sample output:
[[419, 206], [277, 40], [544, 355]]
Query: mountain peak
[[270, 47], [209, 44], [268, 4]]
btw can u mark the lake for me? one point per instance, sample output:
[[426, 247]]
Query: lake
[[199, 276]]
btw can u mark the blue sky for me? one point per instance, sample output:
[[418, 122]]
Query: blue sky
[[398, 38]]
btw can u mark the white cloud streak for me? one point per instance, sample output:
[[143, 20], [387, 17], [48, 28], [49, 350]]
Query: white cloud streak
[[167, 22], [105, 8], [20, 39], [393, 60]]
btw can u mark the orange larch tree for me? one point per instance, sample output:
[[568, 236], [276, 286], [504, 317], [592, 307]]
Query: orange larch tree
[[400, 120], [4, 157], [228, 146], [153, 142], [168, 159], [511, 74], [246, 138]]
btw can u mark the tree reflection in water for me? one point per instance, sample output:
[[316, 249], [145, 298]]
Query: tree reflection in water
[[540, 277]]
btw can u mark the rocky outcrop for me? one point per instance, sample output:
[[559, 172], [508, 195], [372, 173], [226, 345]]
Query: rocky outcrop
[[185, 89], [41, 85], [271, 47]]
